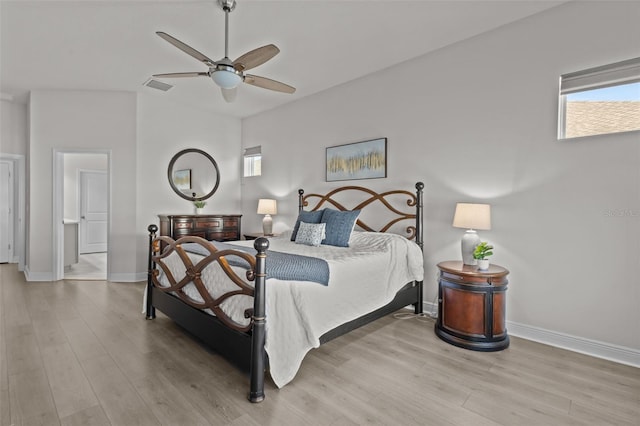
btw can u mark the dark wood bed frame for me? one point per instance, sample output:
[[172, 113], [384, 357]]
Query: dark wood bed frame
[[244, 345]]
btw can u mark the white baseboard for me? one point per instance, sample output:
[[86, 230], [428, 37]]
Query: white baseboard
[[37, 276], [128, 278], [611, 352], [608, 351]]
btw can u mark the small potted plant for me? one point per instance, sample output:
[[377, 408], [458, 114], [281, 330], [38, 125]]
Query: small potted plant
[[481, 253], [199, 205]]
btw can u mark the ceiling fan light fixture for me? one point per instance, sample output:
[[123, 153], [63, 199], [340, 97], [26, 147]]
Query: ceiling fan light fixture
[[226, 79]]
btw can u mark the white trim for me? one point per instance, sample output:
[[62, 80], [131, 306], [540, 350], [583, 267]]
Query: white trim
[[611, 352], [19, 239], [128, 277], [37, 276], [57, 218]]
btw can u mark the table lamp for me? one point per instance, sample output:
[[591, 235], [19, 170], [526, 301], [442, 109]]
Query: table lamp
[[471, 217], [267, 208]]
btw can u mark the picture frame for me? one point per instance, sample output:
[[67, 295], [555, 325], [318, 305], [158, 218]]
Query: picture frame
[[358, 160], [182, 179]]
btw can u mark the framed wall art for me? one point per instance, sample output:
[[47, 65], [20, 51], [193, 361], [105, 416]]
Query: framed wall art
[[360, 160]]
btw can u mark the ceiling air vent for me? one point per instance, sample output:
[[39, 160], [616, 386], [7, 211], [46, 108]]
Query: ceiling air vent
[[155, 84]]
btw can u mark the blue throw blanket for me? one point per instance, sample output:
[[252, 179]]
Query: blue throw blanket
[[282, 266]]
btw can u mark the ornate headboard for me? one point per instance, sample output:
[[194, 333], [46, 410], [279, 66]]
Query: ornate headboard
[[385, 199]]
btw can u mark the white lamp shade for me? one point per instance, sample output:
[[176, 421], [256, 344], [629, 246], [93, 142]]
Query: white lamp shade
[[472, 216], [226, 79], [266, 206]]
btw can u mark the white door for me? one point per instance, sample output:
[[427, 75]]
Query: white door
[[93, 212], [6, 211]]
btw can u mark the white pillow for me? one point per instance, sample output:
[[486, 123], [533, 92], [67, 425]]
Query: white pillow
[[310, 234]]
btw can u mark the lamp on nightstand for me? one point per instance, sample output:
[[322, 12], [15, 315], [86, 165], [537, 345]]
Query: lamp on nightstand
[[267, 208], [471, 217]]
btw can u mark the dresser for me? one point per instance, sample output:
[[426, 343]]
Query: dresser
[[219, 227]]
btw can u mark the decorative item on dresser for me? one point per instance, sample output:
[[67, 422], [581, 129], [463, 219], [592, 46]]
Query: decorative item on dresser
[[472, 306], [189, 281], [219, 227]]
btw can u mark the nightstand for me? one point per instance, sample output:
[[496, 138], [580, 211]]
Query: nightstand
[[254, 235], [472, 306]]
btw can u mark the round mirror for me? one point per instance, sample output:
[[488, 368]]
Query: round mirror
[[193, 174]]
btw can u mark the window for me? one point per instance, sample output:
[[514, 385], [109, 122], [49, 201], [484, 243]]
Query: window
[[600, 100], [253, 161]]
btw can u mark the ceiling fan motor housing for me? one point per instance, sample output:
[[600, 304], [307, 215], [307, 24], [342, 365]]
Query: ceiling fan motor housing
[[227, 5]]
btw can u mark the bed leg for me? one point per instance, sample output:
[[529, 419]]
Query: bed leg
[[256, 389], [151, 311], [419, 303]]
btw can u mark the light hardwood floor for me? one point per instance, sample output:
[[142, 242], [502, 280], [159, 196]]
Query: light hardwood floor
[[80, 353]]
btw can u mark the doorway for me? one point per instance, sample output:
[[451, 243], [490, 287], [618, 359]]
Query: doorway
[[81, 206]]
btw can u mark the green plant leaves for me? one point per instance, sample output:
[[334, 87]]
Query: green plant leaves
[[482, 251]]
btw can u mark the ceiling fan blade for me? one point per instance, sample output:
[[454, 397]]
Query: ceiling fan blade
[[229, 95], [187, 49], [182, 74], [256, 57], [267, 83]]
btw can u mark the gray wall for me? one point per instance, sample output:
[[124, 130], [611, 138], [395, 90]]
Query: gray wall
[[81, 120], [477, 122], [164, 129], [143, 133]]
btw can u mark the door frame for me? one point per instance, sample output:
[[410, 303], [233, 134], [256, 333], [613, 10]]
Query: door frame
[[10, 223], [19, 207], [58, 208]]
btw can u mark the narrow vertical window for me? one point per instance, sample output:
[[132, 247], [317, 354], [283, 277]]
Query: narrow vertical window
[[600, 100], [253, 161]]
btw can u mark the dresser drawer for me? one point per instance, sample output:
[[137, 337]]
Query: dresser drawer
[[222, 236], [231, 222], [179, 225], [210, 223]]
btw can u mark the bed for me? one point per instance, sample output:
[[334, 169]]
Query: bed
[[246, 301]]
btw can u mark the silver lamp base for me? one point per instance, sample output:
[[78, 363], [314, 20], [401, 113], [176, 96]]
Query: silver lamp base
[[267, 225], [469, 242]]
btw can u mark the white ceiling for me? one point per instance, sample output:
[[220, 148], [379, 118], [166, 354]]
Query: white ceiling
[[112, 45]]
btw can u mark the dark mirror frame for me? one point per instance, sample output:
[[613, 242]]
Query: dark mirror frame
[[179, 192]]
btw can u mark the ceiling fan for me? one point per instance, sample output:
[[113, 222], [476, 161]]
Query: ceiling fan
[[228, 74]]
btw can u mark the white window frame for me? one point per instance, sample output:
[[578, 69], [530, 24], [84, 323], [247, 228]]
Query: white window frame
[[616, 74], [251, 158]]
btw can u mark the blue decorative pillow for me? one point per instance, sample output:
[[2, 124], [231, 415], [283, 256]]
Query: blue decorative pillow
[[310, 234], [308, 217], [339, 226]]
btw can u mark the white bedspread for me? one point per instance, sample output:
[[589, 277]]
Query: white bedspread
[[363, 278]]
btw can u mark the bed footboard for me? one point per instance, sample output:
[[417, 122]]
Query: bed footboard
[[230, 338]]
